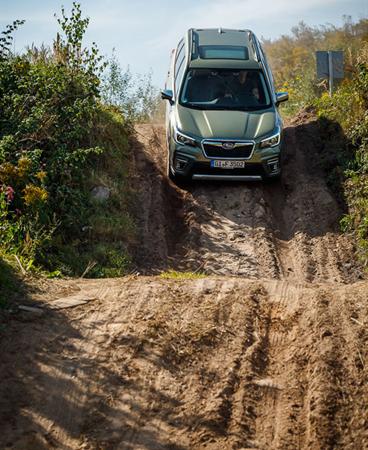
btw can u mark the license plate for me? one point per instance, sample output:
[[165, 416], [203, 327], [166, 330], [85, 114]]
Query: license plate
[[228, 164]]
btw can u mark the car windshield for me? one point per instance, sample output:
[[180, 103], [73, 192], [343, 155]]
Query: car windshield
[[225, 89]]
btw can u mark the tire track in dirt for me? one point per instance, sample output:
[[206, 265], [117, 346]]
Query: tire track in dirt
[[209, 363], [310, 401], [277, 422], [267, 352]]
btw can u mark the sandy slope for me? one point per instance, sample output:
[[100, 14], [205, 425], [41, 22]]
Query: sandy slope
[[269, 351]]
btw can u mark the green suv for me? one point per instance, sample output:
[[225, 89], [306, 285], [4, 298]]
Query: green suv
[[222, 119]]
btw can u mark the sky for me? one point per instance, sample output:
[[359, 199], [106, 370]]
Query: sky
[[143, 33]]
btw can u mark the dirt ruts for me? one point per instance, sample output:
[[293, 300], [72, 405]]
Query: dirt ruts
[[210, 363], [267, 350]]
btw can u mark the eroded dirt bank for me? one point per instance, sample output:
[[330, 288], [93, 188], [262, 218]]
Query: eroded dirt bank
[[268, 351]]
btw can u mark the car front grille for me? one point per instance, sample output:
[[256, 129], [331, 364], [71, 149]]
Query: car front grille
[[227, 149]]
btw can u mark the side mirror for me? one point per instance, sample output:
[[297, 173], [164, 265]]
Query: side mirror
[[167, 94], [281, 97]]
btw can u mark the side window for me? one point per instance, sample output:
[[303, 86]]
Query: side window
[[268, 68], [179, 52], [178, 64], [179, 72]]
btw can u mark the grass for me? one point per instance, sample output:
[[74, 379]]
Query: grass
[[175, 275]]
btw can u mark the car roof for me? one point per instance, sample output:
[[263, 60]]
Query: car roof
[[202, 38]]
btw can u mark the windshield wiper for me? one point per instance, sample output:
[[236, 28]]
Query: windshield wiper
[[236, 108], [246, 108], [255, 108], [194, 105], [212, 107]]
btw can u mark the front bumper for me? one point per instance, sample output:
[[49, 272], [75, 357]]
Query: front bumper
[[190, 162], [222, 177]]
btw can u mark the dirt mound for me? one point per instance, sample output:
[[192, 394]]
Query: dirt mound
[[209, 363]]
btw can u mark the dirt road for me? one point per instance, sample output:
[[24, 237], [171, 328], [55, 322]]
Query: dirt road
[[267, 351]]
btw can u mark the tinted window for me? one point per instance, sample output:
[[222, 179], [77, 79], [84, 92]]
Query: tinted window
[[268, 67], [178, 65], [225, 89], [223, 52], [180, 51], [179, 72]]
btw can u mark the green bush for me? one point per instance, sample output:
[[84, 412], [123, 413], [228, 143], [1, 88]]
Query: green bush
[[55, 137]]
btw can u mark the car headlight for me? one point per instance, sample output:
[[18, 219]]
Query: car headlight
[[271, 141], [183, 139]]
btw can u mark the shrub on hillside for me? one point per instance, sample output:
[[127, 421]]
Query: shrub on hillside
[[50, 110]]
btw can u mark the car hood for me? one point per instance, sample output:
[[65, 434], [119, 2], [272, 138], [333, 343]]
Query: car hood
[[225, 124]]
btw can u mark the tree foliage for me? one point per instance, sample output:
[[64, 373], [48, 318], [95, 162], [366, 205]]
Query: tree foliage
[[292, 57], [6, 38], [135, 95]]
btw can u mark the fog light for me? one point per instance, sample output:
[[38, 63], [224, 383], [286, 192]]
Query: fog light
[[273, 165], [180, 163]]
